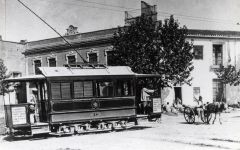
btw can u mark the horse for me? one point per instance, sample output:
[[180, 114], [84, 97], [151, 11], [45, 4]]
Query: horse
[[215, 108]]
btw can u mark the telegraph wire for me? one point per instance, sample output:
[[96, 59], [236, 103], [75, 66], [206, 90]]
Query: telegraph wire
[[85, 61], [74, 4], [195, 18], [5, 19], [104, 4]]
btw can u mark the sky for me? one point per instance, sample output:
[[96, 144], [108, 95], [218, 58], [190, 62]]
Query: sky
[[17, 23]]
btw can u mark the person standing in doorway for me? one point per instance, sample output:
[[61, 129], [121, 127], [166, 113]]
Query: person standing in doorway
[[34, 106]]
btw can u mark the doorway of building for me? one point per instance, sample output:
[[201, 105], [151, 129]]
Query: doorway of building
[[178, 93]]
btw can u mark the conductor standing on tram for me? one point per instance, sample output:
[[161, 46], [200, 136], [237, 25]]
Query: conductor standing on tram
[[145, 98], [33, 106]]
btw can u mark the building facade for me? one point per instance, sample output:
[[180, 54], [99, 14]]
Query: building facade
[[211, 49], [11, 54], [14, 60]]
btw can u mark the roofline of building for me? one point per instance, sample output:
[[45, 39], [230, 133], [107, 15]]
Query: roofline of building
[[107, 36], [78, 34], [13, 42], [213, 33], [189, 30], [63, 46]]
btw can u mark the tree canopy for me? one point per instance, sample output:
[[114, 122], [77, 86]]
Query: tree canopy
[[228, 75], [150, 47]]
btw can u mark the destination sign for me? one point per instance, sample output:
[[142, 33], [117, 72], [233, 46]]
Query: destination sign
[[157, 108], [19, 115]]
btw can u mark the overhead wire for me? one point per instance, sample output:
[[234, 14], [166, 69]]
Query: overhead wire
[[197, 18], [74, 4], [85, 61], [188, 17], [104, 4]]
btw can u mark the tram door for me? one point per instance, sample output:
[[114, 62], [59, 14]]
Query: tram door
[[42, 101], [178, 92]]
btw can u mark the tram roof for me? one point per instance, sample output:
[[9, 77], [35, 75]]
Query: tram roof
[[73, 72], [25, 78]]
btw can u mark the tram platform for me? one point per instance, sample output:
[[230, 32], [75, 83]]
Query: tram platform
[[40, 128]]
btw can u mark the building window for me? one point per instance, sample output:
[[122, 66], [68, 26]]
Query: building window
[[93, 58], [52, 62], [83, 89], [196, 93], [109, 60], [71, 59], [60, 90], [37, 63], [217, 54], [198, 51], [217, 90]]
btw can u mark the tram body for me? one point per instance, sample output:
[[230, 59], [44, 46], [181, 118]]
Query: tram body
[[70, 100]]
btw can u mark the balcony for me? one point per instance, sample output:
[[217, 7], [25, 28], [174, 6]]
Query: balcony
[[215, 67]]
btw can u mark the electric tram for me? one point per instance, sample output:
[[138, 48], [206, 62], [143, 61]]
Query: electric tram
[[72, 100]]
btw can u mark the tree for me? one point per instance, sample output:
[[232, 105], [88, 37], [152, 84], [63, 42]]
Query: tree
[[3, 71], [150, 47], [228, 75]]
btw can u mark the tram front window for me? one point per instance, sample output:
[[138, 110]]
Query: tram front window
[[105, 89]]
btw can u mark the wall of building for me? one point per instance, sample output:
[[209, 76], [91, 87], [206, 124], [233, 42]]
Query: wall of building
[[203, 75], [233, 92], [11, 53], [61, 56]]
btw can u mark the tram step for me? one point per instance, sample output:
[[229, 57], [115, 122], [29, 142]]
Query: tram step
[[40, 128]]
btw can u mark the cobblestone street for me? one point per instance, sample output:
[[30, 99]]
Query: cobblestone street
[[172, 133]]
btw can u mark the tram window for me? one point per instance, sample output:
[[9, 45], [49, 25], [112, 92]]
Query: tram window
[[60, 90], [124, 88], [65, 90], [83, 89], [105, 89], [88, 89], [55, 89]]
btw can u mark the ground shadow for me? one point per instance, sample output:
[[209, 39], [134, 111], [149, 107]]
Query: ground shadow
[[236, 117], [196, 123], [47, 136], [225, 140], [198, 144]]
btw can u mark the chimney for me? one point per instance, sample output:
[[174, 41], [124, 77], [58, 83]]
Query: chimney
[[71, 30], [23, 41]]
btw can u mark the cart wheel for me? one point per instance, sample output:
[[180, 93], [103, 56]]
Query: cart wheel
[[189, 115]]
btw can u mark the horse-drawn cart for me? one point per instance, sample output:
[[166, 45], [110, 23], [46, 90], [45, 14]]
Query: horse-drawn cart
[[191, 112]]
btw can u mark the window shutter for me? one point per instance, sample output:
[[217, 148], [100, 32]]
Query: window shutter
[[55, 89], [88, 89], [65, 90], [78, 89]]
